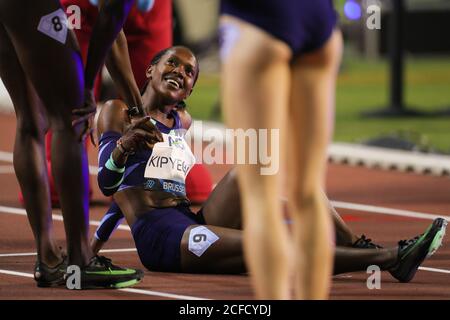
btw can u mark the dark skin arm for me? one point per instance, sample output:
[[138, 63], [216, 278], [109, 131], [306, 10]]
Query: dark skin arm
[[119, 66], [138, 133], [110, 21]]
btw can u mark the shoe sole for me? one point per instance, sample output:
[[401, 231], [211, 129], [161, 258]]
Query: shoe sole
[[126, 281], [434, 245], [117, 285], [437, 241], [42, 284], [126, 284]]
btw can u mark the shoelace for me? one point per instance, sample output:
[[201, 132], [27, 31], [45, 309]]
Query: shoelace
[[405, 243], [107, 262], [364, 242]]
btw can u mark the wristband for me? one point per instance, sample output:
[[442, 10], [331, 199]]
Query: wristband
[[110, 165]]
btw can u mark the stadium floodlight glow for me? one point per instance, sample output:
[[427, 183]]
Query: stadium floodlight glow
[[352, 10]]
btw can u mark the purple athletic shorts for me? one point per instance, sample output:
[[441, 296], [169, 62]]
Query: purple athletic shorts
[[157, 236], [305, 25]]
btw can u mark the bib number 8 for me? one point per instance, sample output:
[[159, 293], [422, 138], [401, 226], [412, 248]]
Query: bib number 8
[[57, 25]]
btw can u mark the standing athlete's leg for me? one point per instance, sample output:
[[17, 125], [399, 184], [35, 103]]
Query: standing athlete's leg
[[56, 72], [255, 96], [29, 156], [310, 125]]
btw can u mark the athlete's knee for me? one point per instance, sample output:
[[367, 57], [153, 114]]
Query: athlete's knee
[[60, 122], [28, 126]]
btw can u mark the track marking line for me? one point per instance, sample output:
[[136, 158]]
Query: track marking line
[[30, 254], [137, 291], [118, 250], [434, 270], [162, 294], [388, 211], [6, 156], [56, 217], [6, 169], [23, 254], [16, 273]]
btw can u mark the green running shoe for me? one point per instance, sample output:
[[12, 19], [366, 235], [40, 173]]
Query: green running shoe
[[411, 253], [101, 273]]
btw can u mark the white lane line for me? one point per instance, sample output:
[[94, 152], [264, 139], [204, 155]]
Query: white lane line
[[22, 254], [137, 291], [434, 270], [15, 273], [6, 169], [8, 157], [162, 294], [118, 250], [29, 254], [57, 217], [388, 211]]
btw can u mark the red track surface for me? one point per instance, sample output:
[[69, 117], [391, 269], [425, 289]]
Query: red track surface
[[349, 184]]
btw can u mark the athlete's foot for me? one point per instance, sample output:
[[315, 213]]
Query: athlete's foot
[[100, 273], [411, 253], [46, 276], [52, 256]]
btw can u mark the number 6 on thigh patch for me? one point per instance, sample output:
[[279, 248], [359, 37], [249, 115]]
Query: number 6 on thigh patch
[[54, 25], [200, 239]]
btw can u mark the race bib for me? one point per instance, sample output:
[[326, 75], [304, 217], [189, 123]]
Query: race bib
[[200, 239], [168, 166], [54, 25]]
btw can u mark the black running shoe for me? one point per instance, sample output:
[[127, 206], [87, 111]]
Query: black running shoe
[[411, 253], [365, 243], [50, 277], [101, 273]]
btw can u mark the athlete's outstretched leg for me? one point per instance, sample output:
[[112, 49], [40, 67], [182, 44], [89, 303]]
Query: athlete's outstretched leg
[[255, 96], [29, 156], [310, 125], [223, 209], [351, 259], [344, 236]]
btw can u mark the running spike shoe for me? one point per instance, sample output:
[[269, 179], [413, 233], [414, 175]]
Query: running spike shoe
[[411, 253]]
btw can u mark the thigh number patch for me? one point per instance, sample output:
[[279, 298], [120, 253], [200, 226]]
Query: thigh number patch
[[200, 239], [54, 25]]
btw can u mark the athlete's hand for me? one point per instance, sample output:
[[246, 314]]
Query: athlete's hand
[[85, 115], [141, 134]]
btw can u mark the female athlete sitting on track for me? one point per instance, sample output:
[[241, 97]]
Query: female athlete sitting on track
[[143, 163]]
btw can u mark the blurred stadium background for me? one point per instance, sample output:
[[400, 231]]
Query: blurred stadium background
[[364, 80]]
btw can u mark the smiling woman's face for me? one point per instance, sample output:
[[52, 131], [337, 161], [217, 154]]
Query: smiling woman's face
[[174, 75]]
